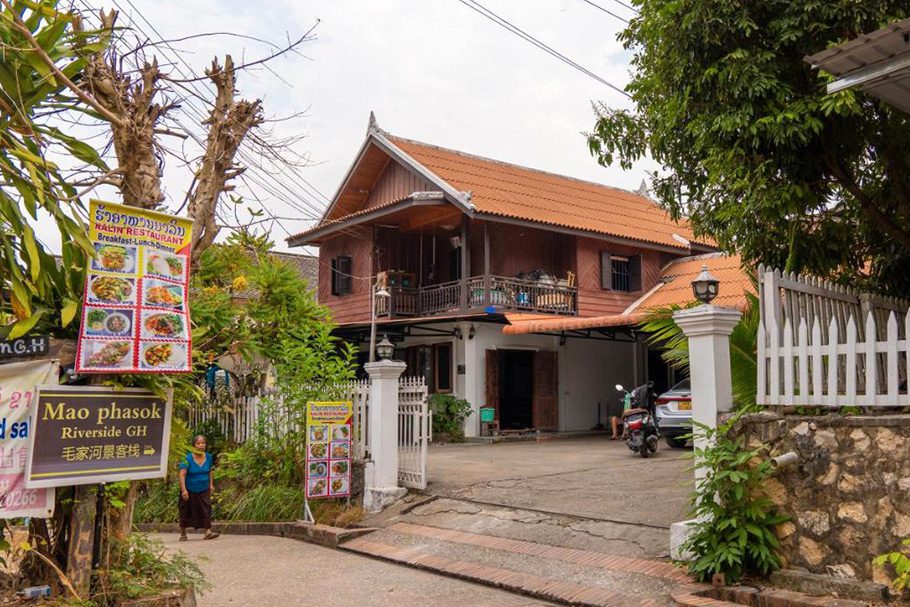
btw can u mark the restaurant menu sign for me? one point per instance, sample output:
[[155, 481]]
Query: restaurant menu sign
[[17, 399], [84, 435], [135, 317], [328, 459]]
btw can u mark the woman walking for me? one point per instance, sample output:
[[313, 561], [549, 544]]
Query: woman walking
[[196, 488]]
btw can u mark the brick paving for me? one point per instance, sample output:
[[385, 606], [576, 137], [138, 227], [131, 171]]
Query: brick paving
[[588, 558], [534, 585]]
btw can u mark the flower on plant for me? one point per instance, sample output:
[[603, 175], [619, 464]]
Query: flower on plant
[[212, 290], [240, 283]]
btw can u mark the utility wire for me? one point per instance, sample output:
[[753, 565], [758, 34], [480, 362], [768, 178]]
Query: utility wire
[[609, 12], [482, 10], [297, 199]]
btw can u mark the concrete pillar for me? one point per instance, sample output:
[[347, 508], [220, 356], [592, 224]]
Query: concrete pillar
[[708, 329], [475, 363], [381, 486]]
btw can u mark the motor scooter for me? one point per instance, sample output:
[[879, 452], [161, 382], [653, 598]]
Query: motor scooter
[[639, 422]]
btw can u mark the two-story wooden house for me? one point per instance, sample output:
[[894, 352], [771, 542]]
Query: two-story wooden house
[[468, 246]]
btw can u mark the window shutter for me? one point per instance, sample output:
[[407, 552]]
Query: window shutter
[[342, 282], [345, 269], [606, 271], [635, 273]]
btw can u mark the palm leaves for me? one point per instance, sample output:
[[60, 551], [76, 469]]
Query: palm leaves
[[38, 291], [666, 334]]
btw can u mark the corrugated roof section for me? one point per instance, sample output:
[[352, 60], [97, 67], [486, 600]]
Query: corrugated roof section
[[508, 190], [877, 62], [676, 289]]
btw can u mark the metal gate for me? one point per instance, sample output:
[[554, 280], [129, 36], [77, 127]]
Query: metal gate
[[414, 432]]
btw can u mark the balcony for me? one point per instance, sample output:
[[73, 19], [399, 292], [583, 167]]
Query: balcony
[[480, 292]]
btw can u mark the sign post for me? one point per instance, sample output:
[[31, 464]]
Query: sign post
[[328, 457], [85, 435]]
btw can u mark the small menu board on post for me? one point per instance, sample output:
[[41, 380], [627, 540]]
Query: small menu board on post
[[135, 316], [328, 457]]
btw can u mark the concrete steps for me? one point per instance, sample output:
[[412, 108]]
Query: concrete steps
[[566, 575]]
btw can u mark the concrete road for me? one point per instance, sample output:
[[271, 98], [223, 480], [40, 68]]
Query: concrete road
[[280, 572], [590, 477]]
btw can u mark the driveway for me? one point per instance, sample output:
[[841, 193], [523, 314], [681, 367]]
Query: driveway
[[585, 477], [275, 571]]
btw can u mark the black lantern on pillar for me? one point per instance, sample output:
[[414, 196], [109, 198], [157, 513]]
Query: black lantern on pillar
[[705, 286], [385, 348]]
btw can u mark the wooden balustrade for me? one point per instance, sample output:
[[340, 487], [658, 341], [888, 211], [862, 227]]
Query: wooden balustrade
[[482, 292]]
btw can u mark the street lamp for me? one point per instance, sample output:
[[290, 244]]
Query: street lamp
[[379, 290], [705, 286], [385, 348]]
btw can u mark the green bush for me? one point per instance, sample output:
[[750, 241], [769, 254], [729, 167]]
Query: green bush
[[735, 532], [449, 414], [140, 566], [157, 502], [901, 564], [266, 503]]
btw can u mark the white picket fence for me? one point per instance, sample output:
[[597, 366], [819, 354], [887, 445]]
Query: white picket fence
[[821, 344], [237, 419]]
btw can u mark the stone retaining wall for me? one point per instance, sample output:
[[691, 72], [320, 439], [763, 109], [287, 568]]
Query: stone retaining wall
[[848, 496]]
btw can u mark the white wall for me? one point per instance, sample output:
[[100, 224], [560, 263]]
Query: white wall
[[588, 371]]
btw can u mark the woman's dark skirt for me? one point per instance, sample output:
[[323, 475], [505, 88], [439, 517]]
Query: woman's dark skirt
[[196, 512]]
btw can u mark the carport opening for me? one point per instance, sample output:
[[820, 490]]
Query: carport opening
[[516, 389]]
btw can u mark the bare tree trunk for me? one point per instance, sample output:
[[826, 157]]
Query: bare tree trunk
[[229, 123]]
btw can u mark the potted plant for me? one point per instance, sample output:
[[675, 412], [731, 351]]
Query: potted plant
[[449, 414]]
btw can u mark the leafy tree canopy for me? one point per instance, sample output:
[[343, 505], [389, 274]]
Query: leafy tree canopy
[[753, 150]]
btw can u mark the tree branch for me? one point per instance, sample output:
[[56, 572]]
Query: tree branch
[[46, 59], [843, 177]]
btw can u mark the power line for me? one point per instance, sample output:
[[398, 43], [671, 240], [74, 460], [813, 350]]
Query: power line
[[482, 10], [297, 199], [609, 12]]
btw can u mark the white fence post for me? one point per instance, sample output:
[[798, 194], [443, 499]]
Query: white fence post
[[708, 329], [381, 486]]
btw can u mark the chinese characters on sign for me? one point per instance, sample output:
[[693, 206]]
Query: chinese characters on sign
[[84, 435], [135, 317], [328, 458], [17, 399]]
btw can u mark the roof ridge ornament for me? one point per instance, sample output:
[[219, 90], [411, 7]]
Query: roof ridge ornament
[[373, 125]]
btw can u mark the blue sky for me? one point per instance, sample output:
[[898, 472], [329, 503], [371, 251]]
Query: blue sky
[[432, 70]]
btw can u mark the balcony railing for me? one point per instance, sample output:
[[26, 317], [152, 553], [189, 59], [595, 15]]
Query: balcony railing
[[481, 292]]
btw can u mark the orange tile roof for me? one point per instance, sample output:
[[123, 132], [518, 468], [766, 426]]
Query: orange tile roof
[[508, 190], [675, 288]]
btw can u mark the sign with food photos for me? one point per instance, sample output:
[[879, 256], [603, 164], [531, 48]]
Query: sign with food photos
[[328, 456], [135, 315]]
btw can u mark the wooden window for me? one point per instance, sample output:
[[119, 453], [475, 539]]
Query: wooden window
[[620, 272], [342, 279]]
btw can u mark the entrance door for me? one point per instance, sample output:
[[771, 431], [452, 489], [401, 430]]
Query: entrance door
[[546, 394], [516, 389]]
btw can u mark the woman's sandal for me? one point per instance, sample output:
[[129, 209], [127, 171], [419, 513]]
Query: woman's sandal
[[211, 535]]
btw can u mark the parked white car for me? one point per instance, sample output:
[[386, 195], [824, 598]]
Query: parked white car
[[674, 414]]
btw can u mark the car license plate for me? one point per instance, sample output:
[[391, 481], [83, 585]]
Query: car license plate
[[684, 405]]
